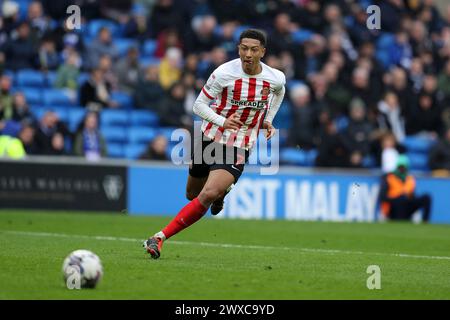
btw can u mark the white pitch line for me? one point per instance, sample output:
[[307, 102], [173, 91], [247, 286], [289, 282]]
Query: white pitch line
[[225, 245]]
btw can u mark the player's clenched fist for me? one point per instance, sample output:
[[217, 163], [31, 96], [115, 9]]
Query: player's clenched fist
[[233, 122]]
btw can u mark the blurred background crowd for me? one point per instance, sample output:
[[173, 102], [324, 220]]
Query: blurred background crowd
[[118, 85]]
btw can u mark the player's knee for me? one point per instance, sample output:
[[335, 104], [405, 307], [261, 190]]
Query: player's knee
[[210, 194]]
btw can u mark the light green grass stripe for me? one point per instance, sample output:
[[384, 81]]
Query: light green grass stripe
[[225, 245]]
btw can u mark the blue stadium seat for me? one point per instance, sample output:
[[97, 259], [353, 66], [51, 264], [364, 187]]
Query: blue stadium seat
[[385, 41], [149, 48], [49, 79], [95, 25], [369, 162], [293, 156], [37, 111], [149, 61], [138, 8], [114, 134], [418, 161], [218, 31], [23, 9], [350, 21], [30, 78], [123, 99], [115, 150], [383, 57], [365, 3], [141, 135], [32, 95], [418, 144], [311, 156], [203, 66], [341, 123], [124, 44], [110, 117], [166, 132], [237, 32], [57, 97], [144, 118], [76, 115], [133, 151], [285, 109], [82, 78], [283, 136], [282, 121], [263, 157], [62, 112], [301, 35]]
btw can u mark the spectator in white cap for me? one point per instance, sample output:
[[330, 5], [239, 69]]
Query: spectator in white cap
[[9, 20], [10, 9]]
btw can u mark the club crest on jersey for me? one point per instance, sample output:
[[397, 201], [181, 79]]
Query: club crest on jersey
[[265, 91]]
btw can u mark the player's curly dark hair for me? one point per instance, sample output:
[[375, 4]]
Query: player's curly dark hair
[[254, 34]]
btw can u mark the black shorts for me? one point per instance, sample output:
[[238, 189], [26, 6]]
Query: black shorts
[[208, 155]]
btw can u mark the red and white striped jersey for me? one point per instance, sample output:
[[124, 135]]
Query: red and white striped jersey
[[249, 96]]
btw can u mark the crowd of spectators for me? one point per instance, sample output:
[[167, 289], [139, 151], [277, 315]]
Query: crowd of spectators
[[352, 92]]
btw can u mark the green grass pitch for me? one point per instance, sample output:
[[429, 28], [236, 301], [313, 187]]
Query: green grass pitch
[[223, 259]]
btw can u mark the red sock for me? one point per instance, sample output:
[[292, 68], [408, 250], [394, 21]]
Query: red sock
[[190, 213]]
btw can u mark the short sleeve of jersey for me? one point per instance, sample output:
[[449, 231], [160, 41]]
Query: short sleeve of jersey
[[213, 86], [281, 81]]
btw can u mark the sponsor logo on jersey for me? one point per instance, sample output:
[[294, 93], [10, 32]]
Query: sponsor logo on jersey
[[252, 104]]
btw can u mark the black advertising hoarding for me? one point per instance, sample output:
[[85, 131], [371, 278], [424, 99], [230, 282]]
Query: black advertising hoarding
[[63, 185]]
